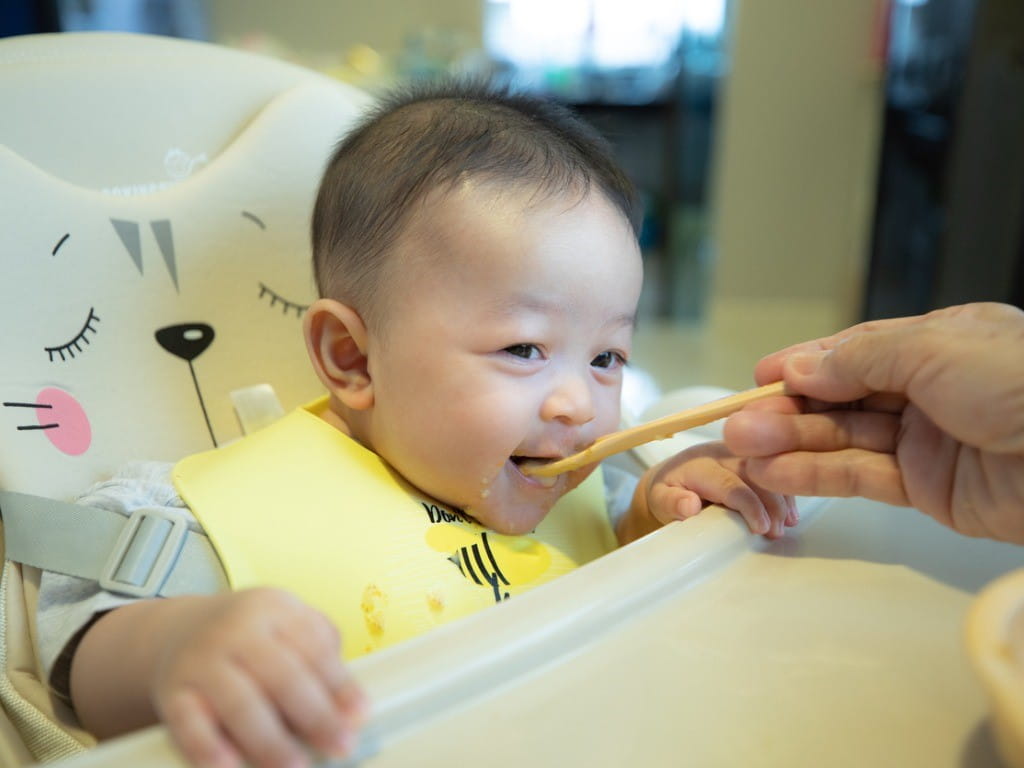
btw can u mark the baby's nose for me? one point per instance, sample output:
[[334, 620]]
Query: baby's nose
[[570, 402]]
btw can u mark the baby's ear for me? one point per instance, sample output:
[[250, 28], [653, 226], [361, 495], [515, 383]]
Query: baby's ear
[[336, 340]]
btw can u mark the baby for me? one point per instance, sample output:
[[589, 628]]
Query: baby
[[477, 259]]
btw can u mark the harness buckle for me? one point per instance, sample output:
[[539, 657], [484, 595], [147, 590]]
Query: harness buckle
[[145, 552]]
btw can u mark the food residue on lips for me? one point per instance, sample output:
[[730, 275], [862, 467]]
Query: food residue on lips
[[486, 483]]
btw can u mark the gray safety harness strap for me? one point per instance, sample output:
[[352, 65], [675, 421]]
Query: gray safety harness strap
[[151, 552]]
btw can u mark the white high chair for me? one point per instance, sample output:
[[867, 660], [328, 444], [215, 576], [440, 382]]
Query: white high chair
[[155, 196]]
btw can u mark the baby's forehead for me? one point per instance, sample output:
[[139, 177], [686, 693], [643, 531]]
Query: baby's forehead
[[520, 194], [453, 225], [454, 205]]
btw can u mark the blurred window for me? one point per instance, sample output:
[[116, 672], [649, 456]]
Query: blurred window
[[604, 34]]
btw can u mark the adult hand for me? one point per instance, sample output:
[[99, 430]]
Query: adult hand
[[923, 411]]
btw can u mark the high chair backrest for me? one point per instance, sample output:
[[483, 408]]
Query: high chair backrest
[[156, 201], [155, 198]]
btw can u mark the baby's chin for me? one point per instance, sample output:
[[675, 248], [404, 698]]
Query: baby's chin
[[509, 517], [515, 513]]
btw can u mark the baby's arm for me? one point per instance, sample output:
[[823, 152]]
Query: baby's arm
[[251, 675], [678, 488]]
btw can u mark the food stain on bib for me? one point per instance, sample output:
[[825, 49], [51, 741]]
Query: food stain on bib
[[373, 604], [435, 601]]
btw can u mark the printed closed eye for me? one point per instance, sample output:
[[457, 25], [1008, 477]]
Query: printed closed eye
[[277, 300], [67, 350]]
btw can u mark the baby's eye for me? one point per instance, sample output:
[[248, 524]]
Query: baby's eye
[[525, 351], [608, 360]]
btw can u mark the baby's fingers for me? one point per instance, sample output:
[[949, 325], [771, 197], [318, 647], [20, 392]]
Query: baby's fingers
[[194, 729], [718, 484], [793, 516], [781, 510], [302, 698], [673, 502], [318, 643], [252, 720]]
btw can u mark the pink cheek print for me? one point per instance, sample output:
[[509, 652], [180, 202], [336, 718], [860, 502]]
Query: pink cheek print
[[64, 421]]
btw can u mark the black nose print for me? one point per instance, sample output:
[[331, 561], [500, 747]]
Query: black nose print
[[187, 341]]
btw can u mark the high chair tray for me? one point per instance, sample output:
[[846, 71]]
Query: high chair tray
[[840, 645]]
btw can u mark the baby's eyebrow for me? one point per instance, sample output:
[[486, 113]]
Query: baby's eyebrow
[[625, 319], [527, 301], [506, 307]]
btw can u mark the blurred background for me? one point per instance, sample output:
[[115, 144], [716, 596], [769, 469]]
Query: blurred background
[[804, 165]]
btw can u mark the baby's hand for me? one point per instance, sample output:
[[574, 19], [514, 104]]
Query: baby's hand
[[255, 678], [678, 488]]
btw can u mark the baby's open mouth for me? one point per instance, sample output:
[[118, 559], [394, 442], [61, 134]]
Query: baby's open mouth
[[528, 462]]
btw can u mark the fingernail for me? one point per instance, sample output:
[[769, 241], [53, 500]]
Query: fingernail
[[356, 707], [806, 363], [344, 744]]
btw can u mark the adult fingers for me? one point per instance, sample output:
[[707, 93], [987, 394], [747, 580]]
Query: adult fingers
[[884, 361], [850, 472], [770, 367], [961, 366], [765, 433], [778, 405]]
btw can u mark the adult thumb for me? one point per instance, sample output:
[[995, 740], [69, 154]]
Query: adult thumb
[[872, 361]]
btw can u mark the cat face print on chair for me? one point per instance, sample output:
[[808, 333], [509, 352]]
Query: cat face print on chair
[[133, 304]]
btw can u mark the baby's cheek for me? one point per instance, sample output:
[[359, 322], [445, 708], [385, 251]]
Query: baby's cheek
[[574, 478], [63, 421], [608, 410]]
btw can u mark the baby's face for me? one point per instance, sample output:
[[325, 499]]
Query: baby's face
[[504, 342]]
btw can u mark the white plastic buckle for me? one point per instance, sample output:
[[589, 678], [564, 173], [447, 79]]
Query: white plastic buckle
[[139, 543]]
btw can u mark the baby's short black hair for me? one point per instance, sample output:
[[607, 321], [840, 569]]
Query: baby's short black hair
[[425, 137]]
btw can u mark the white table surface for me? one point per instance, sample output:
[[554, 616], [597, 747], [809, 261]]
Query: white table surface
[[840, 645]]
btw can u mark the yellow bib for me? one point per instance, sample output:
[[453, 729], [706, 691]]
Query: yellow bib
[[302, 506]]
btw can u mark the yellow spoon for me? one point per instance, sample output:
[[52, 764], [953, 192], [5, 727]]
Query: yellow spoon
[[659, 429]]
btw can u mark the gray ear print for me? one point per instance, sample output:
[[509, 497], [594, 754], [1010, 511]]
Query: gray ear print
[[164, 239], [128, 231], [187, 342]]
